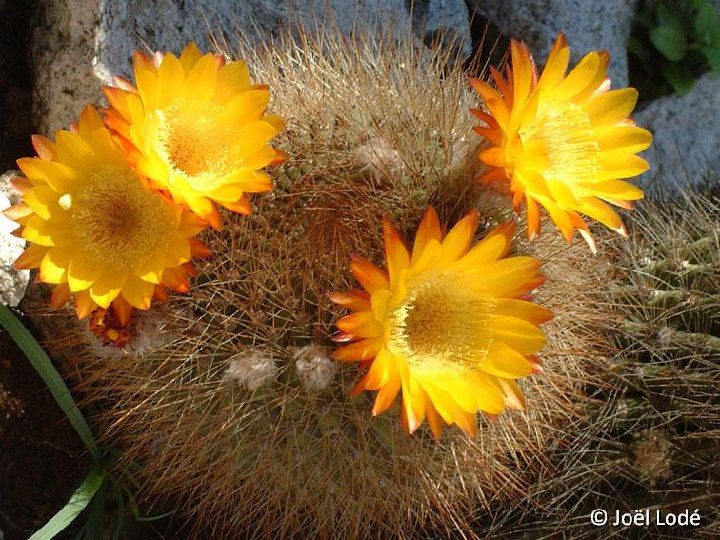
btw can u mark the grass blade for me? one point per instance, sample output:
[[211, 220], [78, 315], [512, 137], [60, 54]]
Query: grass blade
[[42, 364], [77, 503]]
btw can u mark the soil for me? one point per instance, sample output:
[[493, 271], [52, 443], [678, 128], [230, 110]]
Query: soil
[[42, 460]]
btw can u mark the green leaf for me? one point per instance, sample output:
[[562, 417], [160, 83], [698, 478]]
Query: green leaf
[[671, 43], [679, 77], [95, 521], [712, 55], [42, 364], [707, 24], [77, 503]]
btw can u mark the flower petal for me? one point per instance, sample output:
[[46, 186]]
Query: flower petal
[[54, 265], [458, 240], [82, 272], [504, 361], [361, 324], [106, 288], [523, 336], [611, 107], [365, 349], [398, 258], [137, 292], [369, 275], [428, 230]]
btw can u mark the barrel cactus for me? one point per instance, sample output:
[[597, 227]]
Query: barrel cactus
[[227, 398], [226, 402]]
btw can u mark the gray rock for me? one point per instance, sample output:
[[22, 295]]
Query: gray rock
[[587, 25], [444, 20], [12, 282], [78, 44], [126, 26], [62, 49], [686, 136]]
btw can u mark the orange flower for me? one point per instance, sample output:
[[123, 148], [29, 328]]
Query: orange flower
[[96, 229], [197, 129], [447, 324], [562, 141]]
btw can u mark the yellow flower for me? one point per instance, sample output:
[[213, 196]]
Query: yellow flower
[[563, 142], [96, 229], [198, 129], [448, 325]]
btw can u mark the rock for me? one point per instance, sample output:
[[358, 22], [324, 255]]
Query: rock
[[587, 25], [12, 282], [62, 50], [686, 136], [445, 20], [77, 44], [125, 26]]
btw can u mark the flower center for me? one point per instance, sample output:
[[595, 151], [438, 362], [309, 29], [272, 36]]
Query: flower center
[[191, 137], [117, 221], [442, 324], [569, 142]]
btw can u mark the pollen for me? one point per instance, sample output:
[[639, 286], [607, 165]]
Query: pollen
[[193, 141], [569, 142], [117, 221], [440, 326]]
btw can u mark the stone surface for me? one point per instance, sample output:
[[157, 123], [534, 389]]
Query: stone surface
[[126, 26], [12, 282], [78, 44], [444, 20], [686, 136], [62, 50], [587, 25]]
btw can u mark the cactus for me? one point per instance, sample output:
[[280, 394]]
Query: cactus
[[227, 397], [667, 290], [648, 438]]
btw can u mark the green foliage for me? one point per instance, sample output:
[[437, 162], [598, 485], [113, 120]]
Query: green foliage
[[673, 43], [77, 503]]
